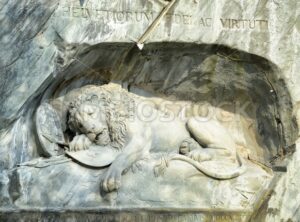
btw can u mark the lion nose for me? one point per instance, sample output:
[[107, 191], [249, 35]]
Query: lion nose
[[90, 128], [91, 136]]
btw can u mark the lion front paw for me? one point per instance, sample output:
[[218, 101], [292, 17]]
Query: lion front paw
[[112, 180], [80, 142]]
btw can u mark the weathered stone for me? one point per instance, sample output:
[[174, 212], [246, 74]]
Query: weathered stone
[[233, 61]]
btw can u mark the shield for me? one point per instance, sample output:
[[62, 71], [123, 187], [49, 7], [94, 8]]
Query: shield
[[95, 156], [49, 130]]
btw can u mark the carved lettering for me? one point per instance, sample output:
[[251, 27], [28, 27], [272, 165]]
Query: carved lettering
[[263, 24], [208, 22], [233, 217], [109, 15], [120, 16], [205, 22], [79, 12], [138, 16], [244, 24], [129, 16], [66, 11], [235, 23], [177, 19], [224, 22], [187, 19], [149, 16]]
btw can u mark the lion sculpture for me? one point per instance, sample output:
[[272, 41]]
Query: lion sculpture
[[109, 115]]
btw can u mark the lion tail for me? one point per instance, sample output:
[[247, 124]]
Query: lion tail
[[159, 169]]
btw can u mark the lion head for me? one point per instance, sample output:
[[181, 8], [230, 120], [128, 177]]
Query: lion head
[[101, 113]]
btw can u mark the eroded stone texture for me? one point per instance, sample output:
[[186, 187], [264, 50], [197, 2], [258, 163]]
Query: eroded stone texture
[[49, 48], [159, 192]]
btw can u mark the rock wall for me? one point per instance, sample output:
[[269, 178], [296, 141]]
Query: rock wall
[[45, 44]]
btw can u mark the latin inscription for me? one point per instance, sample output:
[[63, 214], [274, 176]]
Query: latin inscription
[[174, 18], [244, 24], [232, 217]]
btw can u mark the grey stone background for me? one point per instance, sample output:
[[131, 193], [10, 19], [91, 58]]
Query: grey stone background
[[44, 43]]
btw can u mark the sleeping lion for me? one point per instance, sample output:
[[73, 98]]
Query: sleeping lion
[[109, 115]]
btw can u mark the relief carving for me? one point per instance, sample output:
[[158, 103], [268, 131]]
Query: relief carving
[[108, 130]]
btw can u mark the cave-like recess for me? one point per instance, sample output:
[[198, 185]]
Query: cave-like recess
[[215, 74]]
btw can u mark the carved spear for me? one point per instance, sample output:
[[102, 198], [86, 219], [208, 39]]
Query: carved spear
[[154, 24]]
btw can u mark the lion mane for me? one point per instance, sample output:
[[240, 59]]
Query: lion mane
[[119, 106]]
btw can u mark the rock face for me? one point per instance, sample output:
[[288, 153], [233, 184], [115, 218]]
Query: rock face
[[232, 61]]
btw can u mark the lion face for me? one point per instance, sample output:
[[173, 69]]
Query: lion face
[[90, 120], [101, 113]]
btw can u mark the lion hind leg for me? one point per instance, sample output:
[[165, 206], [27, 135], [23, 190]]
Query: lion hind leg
[[201, 135], [211, 135]]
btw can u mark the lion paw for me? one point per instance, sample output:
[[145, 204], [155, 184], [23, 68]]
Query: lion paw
[[112, 180], [188, 145], [199, 155], [137, 166], [80, 142]]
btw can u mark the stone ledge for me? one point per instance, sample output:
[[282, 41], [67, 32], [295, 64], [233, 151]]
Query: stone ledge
[[122, 215]]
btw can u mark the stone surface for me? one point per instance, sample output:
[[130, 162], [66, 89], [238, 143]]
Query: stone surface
[[214, 53], [81, 188]]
